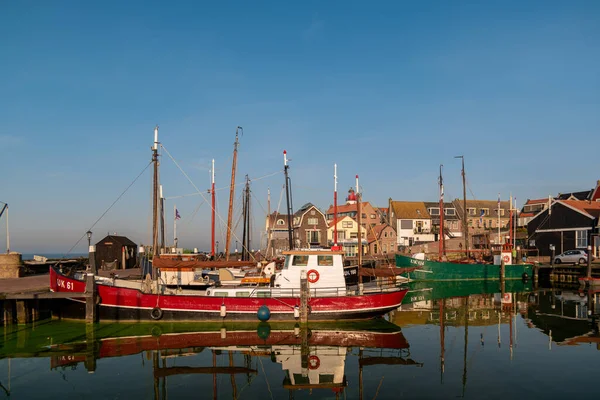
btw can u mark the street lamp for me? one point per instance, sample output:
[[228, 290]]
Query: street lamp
[[89, 236]]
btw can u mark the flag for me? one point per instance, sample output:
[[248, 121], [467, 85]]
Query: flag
[[481, 213], [177, 216], [498, 201]]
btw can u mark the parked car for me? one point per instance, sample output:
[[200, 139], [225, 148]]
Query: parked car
[[572, 256]]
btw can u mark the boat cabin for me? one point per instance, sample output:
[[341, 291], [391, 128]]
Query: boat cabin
[[324, 271]]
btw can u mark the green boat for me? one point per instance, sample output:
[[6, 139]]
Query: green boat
[[427, 270]]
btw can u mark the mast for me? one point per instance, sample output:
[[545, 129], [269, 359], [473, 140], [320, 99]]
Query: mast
[[465, 213], [5, 208], [175, 226], [288, 196], [335, 232], [212, 219], [510, 222], [464, 380], [499, 238], [232, 193], [246, 222], [269, 230], [442, 341], [359, 233], [162, 217], [155, 194], [442, 251]]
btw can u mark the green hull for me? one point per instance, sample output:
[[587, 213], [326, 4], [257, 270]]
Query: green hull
[[428, 291], [428, 270]]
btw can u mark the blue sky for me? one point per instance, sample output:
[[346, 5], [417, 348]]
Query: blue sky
[[387, 90]]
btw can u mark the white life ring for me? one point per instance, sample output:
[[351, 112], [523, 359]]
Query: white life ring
[[506, 258]]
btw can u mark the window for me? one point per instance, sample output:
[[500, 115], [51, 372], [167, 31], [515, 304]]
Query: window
[[363, 215], [406, 224], [434, 211], [471, 211], [313, 236], [313, 221], [242, 294], [325, 260], [347, 224], [341, 235], [581, 238], [312, 212], [486, 211], [449, 211], [375, 248], [384, 234], [373, 216], [301, 261], [384, 248], [353, 235], [280, 222], [501, 212]]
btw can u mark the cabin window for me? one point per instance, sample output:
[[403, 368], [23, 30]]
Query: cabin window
[[581, 238], [242, 294], [313, 221], [286, 265], [221, 294], [263, 294], [325, 261], [300, 261]]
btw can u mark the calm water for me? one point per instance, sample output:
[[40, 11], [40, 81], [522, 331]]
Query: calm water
[[521, 345]]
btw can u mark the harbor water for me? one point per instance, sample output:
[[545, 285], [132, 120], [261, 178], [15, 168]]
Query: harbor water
[[444, 342]]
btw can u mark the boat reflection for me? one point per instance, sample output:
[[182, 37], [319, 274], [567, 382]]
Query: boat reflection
[[311, 358]]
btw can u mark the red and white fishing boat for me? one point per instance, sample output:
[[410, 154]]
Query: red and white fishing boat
[[320, 272], [328, 296]]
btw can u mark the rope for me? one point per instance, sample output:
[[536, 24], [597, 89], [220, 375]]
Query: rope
[[104, 213]]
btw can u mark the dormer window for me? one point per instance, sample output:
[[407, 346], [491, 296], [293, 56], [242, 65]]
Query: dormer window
[[280, 222], [449, 211], [434, 211]]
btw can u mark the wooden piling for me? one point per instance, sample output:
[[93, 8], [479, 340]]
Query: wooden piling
[[303, 298], [90, 301]]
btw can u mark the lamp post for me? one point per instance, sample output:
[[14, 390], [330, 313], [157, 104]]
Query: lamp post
[[89, 236]]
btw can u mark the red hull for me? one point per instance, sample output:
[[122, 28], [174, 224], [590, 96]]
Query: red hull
[[132, 304]]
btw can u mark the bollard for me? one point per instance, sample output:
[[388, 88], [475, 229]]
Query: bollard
[[92, 259], [90, 300], [303, 298], [589, 262]]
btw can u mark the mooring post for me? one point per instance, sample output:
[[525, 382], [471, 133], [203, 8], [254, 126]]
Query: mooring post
[[589, 263], [304, 351], [90, 351], [9, 312], [92, 259], [21, 312], [90, 300], [303, 298], [502, 276]]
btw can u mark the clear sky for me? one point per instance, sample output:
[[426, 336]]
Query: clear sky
[[388, 90]]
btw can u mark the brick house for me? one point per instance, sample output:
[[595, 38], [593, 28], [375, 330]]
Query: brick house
[[382, 239]]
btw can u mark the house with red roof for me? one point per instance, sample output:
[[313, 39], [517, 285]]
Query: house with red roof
[[566, 225], [531, 209]]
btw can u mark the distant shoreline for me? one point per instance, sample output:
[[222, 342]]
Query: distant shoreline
[[53, 256]]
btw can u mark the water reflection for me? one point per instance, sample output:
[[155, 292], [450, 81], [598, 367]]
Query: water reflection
[[307, 358], [465, 339]]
